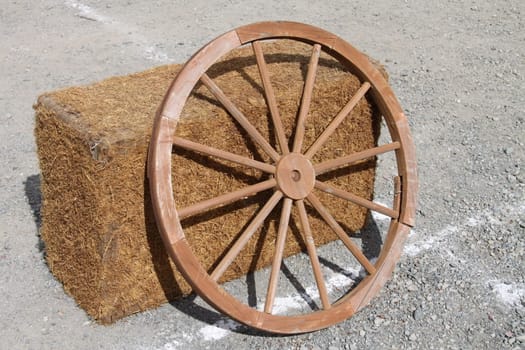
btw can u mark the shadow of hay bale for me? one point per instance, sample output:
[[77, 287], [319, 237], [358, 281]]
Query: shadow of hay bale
[[159, 256], [34, 199]]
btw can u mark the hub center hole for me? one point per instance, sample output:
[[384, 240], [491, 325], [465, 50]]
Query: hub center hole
[[296, 175]]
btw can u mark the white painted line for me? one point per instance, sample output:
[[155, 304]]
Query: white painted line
[[510, 294], [153, 54], [289, 303], [420, 242], [173, 345], [378, 216], [87, 12], [219, 329], [177, 339], [149, 51]]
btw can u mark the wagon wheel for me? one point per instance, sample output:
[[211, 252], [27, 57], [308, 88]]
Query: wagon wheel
[[292, 177]]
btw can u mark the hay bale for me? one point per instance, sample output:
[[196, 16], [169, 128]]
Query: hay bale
[[97, 221]]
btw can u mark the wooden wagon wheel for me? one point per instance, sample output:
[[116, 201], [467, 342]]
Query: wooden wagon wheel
[[292, 177]]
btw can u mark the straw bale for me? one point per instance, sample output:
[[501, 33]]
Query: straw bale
[[97, 221]]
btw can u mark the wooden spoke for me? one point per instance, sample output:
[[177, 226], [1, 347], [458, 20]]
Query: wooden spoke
[[246, 235], [239, 117], [270, 97], [334, 225], [306, 98], [312, 253], [337, 120], [211, 151], [278, 256], [225, 198], [397, 193], [332, 164], [356, 199]]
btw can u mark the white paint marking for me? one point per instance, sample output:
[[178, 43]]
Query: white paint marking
[[473, 222], [219, 329], [149, 51], [87, 12], [415, 247], [288, 303], [153, 54], [173, 345], [511, 294], [378, 216], [418, 243]]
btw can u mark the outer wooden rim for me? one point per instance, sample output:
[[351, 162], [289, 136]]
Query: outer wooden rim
[[159, 168]]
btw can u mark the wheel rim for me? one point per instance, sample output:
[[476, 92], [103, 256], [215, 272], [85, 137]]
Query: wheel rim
[[293, 177]]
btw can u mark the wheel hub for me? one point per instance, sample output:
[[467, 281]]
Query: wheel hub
[[295, 176]]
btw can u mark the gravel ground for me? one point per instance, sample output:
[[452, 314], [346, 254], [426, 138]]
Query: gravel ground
[[458, 69]]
